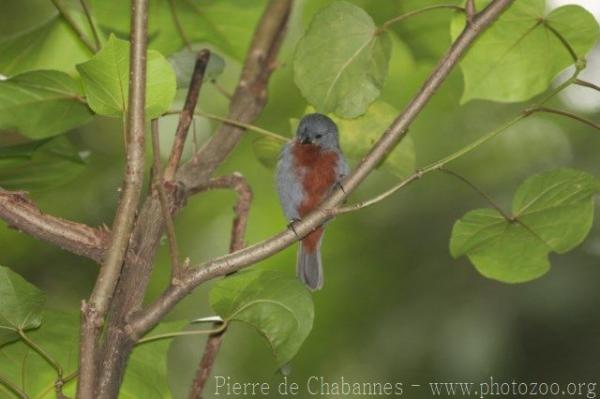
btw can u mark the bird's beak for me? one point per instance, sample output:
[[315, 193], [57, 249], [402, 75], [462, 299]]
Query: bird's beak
[[305, 140]]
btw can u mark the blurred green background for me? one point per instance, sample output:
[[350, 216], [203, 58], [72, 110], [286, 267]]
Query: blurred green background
[[396, 307]]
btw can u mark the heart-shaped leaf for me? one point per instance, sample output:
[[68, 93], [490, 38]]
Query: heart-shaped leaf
[[42, 104], [276, 304], [341, 62], [552, 212], [40, 164], [106, 80], [21, 305], [519, 55]]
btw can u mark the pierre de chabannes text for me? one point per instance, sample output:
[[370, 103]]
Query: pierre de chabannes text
[[345, 387]]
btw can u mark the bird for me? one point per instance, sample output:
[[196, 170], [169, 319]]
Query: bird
[[310, 167]]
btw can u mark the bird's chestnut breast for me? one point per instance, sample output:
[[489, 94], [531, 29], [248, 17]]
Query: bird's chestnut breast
[[317, 171]]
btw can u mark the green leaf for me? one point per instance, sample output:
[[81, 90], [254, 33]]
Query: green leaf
[[39, 164], [552, 211], [21, 305], [341, 62], [146, 374], [106, 80], [277, 305], [53, 45], [42, 104], [24, 367], [519, 55], [267, 150], [226, 24], [358, 135]]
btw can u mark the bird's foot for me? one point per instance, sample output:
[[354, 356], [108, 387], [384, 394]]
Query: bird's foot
[[291, 225]]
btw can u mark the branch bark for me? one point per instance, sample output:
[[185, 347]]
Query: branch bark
[[247, 103], [125, 216], [146, 319], [20, 213], [238, 231]]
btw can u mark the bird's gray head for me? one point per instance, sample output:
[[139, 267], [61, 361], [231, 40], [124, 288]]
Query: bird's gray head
[[319, 130]]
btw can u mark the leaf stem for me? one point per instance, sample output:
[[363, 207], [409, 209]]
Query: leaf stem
[[62, 10], [41, 352], [12, 387], [563, 40], [564, 113], [485, 196], [222, 327], [420, 11], [93, 27], [243, 125], [587, 84]]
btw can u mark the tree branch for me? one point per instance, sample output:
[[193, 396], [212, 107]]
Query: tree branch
[[22, 214], [567, 114], [246, 104], [238, 231], [127, 208], [223, 265]]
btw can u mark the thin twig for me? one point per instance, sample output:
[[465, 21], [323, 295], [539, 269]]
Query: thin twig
[[564, 113], [182, 334], [221, 89], [128, 203], [247, 126], [93, 27], [42, 353], [178, 25], [420, 11], [471, 10], [187, 114], [587, 84], [238, 232], [147, 318], [164, 204], [64, 13], [487, 198], [13, 387]]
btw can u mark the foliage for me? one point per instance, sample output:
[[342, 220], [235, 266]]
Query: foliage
[[552, 211], [353, 61], [275, 304]]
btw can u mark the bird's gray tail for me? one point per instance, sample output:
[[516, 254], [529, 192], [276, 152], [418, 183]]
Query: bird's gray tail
[[309, 267]]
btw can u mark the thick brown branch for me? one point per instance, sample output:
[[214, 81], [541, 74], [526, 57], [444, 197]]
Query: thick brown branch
[[187, 114], [247, 103], [238, 231], [392, 136], [128, 203], [22, 214]]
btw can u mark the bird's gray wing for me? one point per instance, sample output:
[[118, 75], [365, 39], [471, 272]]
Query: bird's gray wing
[[289, 186]]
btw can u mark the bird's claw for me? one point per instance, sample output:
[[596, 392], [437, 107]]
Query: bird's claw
[[291, 226]]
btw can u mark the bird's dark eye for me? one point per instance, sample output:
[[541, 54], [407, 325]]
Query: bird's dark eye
[[318, 136]]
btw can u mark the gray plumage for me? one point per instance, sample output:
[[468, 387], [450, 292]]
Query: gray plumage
[[319, 130]]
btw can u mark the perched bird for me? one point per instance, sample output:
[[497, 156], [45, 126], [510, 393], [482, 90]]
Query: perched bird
[[309, 168]]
